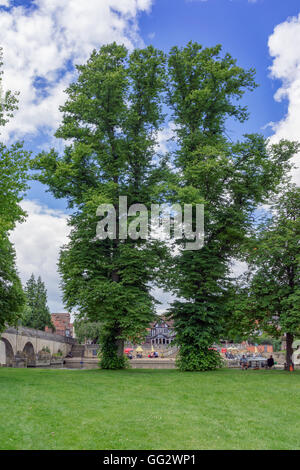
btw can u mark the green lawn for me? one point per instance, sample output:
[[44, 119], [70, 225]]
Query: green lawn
[[146, 409]]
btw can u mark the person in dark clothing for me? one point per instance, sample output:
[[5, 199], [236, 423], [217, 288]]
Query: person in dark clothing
[[270, 362], [244, 362]]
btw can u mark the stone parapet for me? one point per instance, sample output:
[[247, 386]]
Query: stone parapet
[[93, 363], [31, 333]]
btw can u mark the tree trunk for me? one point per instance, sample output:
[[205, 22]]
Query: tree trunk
[[119, 342], [115, 276], [120, 345], [289, 350]]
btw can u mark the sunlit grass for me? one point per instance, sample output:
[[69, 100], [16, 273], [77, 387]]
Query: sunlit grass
[[149, 409]]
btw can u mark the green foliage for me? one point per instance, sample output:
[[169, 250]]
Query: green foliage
[[266, 339], [229, 178], [110, 355], [13, 182], [11, 294], [204, 90], [270, 300], [58, 354], [112, 115], [37, 314], [111, 118], [14, 163], [86, 330], [191, 358]]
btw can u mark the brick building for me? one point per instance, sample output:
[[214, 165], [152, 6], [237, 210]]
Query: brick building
[[63, 325]]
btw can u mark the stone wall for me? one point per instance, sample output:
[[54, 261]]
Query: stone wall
[[93, 363], [2, 353]]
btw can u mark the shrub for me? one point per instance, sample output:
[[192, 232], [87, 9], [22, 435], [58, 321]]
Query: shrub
[[191, 358], [58, 354], [108, 354]]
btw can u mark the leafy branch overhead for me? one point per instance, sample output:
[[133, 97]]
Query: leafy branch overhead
[[14, 166]]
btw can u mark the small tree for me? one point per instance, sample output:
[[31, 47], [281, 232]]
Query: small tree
[[37, 314], [271, 300]]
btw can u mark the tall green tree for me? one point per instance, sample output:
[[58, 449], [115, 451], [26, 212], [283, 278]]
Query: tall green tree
[[110, 122], [37, 314], [14, 163], [270, 299], [229, 179], [11, 294]]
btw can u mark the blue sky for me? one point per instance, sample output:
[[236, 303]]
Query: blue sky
[[43, 42], [243, 29]]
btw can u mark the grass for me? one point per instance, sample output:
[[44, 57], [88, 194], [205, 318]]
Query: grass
[[149, 409]]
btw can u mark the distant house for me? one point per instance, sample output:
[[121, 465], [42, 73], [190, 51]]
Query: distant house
[[161, 332], [63, 325]]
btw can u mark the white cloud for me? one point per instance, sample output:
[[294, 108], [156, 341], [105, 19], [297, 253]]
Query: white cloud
[[164, 137], [37, 242], [238, 268], [166, 298], [41, 43], [284, 48]]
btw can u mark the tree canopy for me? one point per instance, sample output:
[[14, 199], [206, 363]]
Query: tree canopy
[[112, 116], [229, 178], [87, 331], [36, 314], [111, 120], [270, 299]]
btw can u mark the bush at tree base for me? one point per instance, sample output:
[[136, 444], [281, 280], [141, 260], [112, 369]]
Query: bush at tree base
[[192, 358]]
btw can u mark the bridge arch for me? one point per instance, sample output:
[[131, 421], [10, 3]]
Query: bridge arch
[[6, 353], [28, 350]]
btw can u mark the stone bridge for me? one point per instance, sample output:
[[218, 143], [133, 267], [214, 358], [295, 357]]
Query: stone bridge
[[25, 346]]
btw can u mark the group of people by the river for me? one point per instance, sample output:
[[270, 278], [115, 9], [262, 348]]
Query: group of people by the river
[[245, 362]]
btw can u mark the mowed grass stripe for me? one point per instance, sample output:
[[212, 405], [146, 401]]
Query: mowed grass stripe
[[149, 409]]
